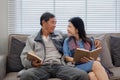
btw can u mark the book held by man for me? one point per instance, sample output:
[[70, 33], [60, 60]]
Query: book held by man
[[32, 56], [80, 53]]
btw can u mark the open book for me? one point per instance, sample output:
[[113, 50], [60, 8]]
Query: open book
[[32, 56], [80, 53]]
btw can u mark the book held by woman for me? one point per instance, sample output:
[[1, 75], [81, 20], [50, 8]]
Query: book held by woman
[[80, 53]]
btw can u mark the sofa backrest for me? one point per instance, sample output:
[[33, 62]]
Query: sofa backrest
[[106, 48], [104, 38], [21, 37]]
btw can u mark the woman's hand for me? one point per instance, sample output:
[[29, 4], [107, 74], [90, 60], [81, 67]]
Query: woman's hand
[[85, 59], [97, 43]]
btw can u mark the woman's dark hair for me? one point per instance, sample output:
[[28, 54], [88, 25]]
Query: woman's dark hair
[[46, 16], [79, 25]]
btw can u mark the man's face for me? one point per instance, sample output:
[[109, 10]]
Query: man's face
[[50, 25]]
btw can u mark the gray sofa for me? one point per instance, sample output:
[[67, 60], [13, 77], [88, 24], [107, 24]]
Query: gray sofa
[[105, 57]]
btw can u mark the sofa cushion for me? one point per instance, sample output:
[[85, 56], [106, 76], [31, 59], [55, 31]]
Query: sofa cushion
[[11, 76], [13, 60], [116, 73], [115, 50]]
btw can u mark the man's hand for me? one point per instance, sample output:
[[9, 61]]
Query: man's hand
[[97, 43], [36, 63]]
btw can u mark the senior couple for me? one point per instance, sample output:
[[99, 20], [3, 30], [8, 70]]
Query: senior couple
[[55, 50]]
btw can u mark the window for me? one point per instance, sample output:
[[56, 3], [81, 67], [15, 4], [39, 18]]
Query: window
[[99, 15]]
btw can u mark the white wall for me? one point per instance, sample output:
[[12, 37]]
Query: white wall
[[3, 27]]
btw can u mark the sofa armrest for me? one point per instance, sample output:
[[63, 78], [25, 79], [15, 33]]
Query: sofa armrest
[[2, 66]]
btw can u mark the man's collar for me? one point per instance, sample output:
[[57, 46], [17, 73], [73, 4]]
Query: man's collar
[[39, 36]]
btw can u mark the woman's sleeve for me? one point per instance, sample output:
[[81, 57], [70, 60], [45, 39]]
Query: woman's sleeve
[[65, 47]]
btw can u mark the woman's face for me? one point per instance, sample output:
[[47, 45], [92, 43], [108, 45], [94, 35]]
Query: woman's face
[[72, 31]]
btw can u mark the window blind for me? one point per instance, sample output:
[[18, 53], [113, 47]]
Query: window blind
[[65, 9], [13, 15], [24, 15], [118, 16], [99, 16], [31, 12]]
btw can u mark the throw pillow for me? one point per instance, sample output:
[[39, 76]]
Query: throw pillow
[[13, 60], [115, 50]]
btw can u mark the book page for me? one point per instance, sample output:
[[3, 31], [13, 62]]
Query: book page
[[95, 53], [80, 53], [32, 56]]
